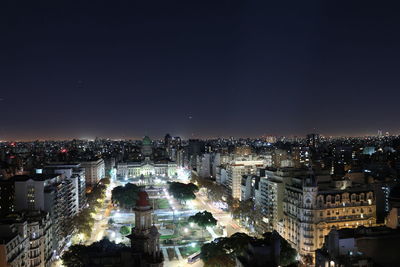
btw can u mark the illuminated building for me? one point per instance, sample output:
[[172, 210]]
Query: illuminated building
[[32, 239], [51, 193], [94, 171], [311, 210], [146, 168], [239, 167], [271, 200]]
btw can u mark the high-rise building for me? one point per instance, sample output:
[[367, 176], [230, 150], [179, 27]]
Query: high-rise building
[[239, 167], [94, 171], [75, 175], [53, 194], [271, 200], [204, 165], [313, 140], [6, 197]]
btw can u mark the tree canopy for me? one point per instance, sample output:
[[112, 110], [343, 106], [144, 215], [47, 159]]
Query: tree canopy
[[223, 251], [80, 255], [83, 221], [125, 230], [183, 192], [203, 219], [215, 191], [98, 192], [125, 196]]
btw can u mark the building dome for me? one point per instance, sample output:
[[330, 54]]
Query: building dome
[[143, 199], [146, 141]]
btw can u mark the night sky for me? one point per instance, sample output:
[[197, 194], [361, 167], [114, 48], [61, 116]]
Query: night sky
[[74, 69]]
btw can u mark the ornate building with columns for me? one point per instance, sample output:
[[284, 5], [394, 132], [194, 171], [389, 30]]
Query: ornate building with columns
[[149, 166], [311, 210]]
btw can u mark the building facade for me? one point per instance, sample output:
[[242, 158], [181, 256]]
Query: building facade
[[311, 210], [51, 193], [146, 168], [94, 171], [239, 167], [14, 244]]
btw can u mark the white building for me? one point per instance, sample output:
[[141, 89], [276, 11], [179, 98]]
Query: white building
[[76, 174], [204, 168], [94, 171], [270, 200], [242, 166], [53, 194], [247, 187], [147, 168], [221, 175]]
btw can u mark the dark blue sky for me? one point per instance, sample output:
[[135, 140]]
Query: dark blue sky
[[198, 68]]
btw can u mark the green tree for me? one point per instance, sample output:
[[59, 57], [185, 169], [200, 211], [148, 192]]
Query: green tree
[[214, 255], [203, 219], [83, 222], [98, 192], [226, 249], [125, 230], [288, 254], [80, 255], [183, 192], [125, 196], [74, 256]]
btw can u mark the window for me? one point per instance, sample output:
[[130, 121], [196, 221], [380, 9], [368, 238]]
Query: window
[[31, 197]]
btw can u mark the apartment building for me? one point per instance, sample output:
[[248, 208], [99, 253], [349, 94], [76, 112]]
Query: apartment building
[[14, 244], [246, 165], [311, 210], [50, 193], [94, 171]]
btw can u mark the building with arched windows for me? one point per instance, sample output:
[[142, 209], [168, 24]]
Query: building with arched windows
[[311, 210]]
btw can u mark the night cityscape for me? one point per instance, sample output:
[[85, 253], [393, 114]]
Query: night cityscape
[[188, 133]]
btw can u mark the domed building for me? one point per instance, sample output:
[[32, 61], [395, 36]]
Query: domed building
[[148, 167], [145, 238], [147, 147]]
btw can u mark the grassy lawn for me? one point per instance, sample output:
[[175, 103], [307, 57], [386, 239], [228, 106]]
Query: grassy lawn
[[164, 237], [163, 203]]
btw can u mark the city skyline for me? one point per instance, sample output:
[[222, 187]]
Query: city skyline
[[183, 137], [198, 70]]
